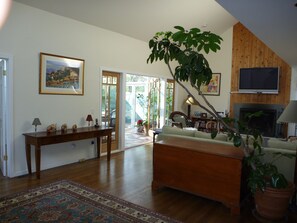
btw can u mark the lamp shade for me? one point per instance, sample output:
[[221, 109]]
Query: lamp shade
[[89, 118], [190, 101], [36, 122], [289, 115]]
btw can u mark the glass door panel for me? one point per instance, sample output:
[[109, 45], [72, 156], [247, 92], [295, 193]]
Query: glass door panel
[[110, 106], [154, 103], [170, 85]]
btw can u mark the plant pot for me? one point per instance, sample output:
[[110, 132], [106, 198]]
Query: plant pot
[[140, 129], [273, 203]]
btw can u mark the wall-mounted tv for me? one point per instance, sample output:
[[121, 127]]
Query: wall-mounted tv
[[259, 80]]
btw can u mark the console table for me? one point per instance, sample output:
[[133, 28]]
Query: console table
[[39, 139]]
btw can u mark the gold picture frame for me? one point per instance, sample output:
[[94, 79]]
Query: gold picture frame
[[61, 75], [214, 86]]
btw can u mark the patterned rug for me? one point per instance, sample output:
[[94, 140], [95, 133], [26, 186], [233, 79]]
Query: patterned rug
[[66, 201]]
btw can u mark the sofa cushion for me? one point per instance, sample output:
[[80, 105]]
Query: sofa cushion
[[282, 144], [205, 135], [178, 131], [251, 140]]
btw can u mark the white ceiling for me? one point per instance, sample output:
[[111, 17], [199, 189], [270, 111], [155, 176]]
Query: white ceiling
[[141, 19], [273, 21]]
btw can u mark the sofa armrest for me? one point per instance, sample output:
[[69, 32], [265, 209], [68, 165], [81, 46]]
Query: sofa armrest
[[284, 165]]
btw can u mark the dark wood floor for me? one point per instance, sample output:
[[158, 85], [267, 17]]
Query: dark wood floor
[[129, 176]]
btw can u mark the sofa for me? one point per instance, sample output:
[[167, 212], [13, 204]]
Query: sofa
[[270, 145]]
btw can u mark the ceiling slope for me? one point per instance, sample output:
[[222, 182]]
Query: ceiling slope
[[141, 19], [273, 22]]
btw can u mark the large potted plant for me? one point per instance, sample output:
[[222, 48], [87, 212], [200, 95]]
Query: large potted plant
[[271, 190], [182, 53]]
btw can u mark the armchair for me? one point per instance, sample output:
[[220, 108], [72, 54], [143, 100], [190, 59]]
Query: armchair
[[180, 119]]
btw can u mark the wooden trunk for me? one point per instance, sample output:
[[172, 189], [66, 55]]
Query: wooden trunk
[[206, 169]]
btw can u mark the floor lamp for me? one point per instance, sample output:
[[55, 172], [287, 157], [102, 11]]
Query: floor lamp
[[190, 101], [289, 115]]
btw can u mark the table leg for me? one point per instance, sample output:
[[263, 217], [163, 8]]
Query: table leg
[[37, 161], [28, 157], [108, 146], [98, 147]]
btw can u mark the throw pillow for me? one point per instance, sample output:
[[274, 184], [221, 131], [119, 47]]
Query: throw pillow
[[178, 131]]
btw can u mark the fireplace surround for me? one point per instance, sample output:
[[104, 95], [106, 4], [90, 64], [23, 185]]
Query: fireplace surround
[[266, 124]]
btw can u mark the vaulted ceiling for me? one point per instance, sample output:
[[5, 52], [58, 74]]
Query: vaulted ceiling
[[274, 22]]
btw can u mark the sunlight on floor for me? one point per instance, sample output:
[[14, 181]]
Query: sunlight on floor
[[134, 138]]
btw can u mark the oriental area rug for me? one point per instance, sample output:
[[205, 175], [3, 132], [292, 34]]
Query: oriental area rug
[[66, 201]]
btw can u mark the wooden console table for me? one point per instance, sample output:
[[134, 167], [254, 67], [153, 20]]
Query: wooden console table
[[39, 139]]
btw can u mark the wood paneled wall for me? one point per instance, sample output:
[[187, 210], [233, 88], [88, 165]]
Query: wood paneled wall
[[249, 51]]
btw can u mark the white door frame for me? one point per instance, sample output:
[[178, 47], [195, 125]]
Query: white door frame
[[8, 115]]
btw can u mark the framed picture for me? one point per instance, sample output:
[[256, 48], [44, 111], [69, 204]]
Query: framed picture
[[61, 75], [214, 86]]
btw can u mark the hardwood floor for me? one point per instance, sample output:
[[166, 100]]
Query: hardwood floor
[[129, 176]]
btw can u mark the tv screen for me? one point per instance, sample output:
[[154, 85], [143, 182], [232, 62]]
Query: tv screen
[[259, 80]]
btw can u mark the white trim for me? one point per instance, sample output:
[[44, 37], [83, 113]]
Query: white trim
[[9, 118], [122, 112]]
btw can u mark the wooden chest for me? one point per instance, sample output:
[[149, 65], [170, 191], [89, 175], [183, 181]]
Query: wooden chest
[[206, 169]]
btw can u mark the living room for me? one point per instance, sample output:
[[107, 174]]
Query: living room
[[24, 37], [29, 31]]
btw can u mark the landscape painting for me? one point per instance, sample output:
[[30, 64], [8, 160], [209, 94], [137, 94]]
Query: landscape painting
[[61, 75]]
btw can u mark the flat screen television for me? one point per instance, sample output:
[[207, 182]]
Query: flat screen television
[[259, 80]]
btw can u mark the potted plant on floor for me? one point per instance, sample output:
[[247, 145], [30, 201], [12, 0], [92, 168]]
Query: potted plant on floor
[[182, 53], [271, 190], [140, 125]]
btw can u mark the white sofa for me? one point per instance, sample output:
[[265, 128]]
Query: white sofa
[[270, 145]]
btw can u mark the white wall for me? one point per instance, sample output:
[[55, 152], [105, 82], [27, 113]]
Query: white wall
[[29, 31], [220, 62]]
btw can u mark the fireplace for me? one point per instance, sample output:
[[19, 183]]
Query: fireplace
[[266, 124]]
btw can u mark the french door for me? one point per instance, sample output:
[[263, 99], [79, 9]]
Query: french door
[[110, 106], [170, 88], [154, 98]]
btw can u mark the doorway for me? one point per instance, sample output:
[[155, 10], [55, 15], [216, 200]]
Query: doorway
[[127, 100], [149, 100]]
